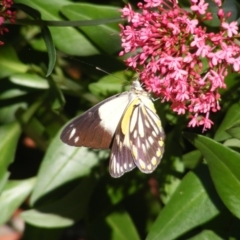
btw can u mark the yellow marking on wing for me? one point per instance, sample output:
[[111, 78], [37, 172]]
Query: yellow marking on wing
[[159, 152], [142, 164], [154, 161], [161, 143], [127, 115], [149, 167], [134, 151]]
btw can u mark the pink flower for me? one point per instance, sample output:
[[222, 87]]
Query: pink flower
[[200, 6], [179, 60], [231, 28], [5, 14]]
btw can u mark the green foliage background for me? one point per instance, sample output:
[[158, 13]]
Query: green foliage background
[[193, 194]]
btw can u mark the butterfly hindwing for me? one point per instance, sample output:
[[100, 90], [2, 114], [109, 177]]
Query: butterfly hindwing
[[146, 136], [95, 128], [121, 159]]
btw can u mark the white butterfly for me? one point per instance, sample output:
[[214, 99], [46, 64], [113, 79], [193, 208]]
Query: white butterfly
[[128, 124]]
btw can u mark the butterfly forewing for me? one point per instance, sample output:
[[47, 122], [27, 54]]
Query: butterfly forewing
[[95, 128]]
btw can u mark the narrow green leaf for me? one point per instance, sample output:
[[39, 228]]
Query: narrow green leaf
[[13, 195], [29, 80], [9, 135], [194, 202], [55, 95], [232, 116], [224, 167], [46, 34]]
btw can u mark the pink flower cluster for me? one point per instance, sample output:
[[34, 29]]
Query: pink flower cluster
[[177, 58], [5, 14]]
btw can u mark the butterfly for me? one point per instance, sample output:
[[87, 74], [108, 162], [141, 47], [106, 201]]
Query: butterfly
[[126, 123]]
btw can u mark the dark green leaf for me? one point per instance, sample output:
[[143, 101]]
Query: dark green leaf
[[234, 130], [45, 34], [61, 164], [224, 167], [232, 116], [64, 209], [192, 159], [193, 203]]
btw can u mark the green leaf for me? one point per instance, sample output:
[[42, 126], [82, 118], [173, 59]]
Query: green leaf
[[122, 226], [233, 143], [224, 167], [206, 235], [116, 225], [192, 159], [64, 208], [9, 135], [62, 164], [45, 34], [105, 36], [55, 95], [78, 44], [11, 100], [29, 80], [232, 116], [9, 62], [110, 84], [13, 195], [193, 203], [234, 130]]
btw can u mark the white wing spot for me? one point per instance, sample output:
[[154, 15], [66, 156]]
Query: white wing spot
[[135, 133], [76, 139], [144, 148], [72, 133], [142, 164], [149, 166], [150, 139], [125, 166]]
